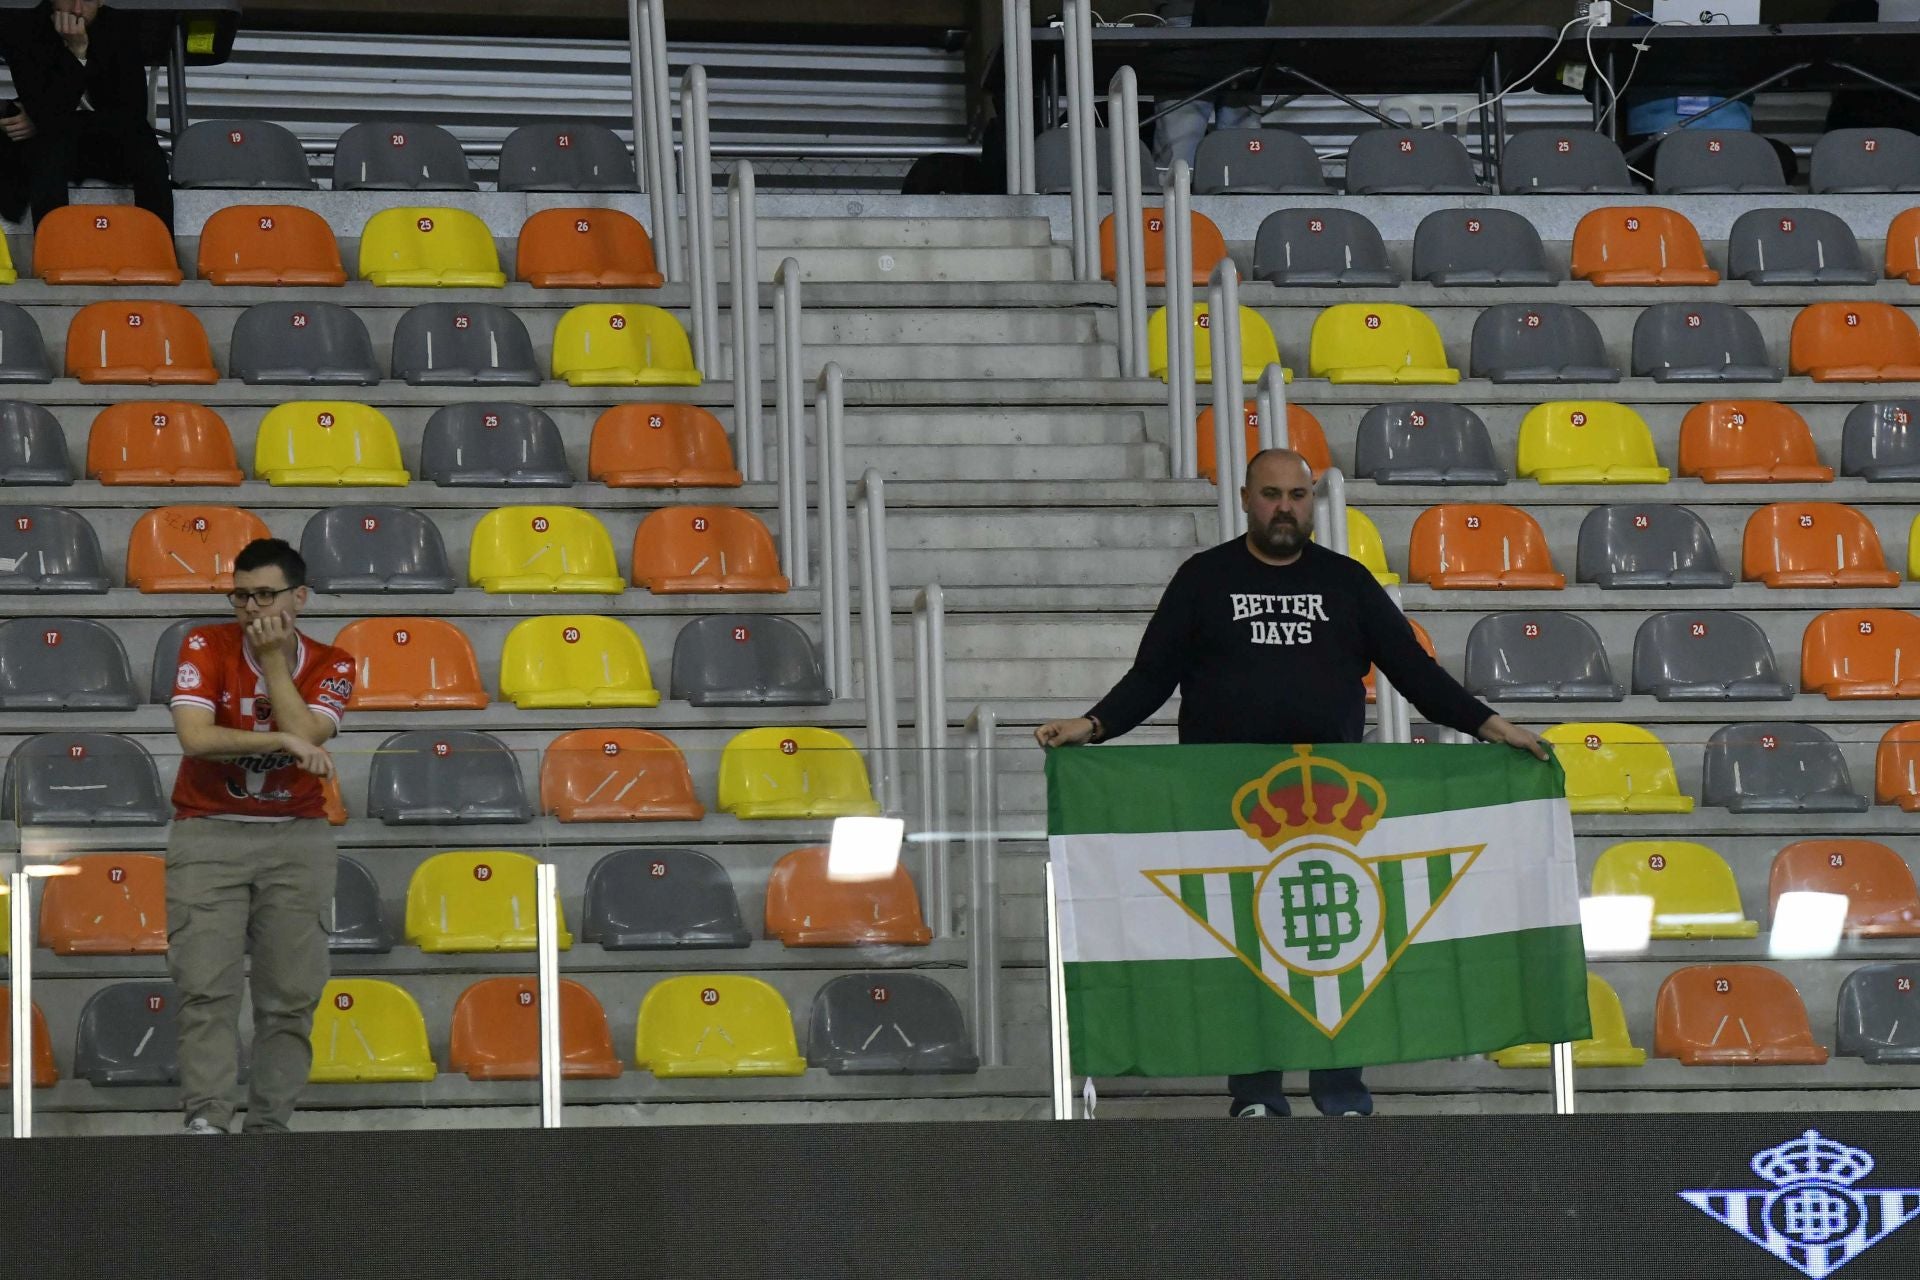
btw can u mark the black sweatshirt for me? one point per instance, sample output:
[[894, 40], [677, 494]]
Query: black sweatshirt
[[1277, 653]]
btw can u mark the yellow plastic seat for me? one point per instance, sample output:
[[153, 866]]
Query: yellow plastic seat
[[1258, 349], [1588, 442], [1378, 342], [1616, 768], [603, 344], [1692, 887], [475, 900], [575, 660], [543, 549], [793, 772], [328, 442], [8, 275], [366, 1031], [716, 1024], [1365, 545], [431, 249], [1610, 1045], [1913, 552]]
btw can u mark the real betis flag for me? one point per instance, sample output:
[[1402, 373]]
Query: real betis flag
[[1228, 909]]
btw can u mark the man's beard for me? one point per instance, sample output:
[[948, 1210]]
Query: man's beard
[[1281, 537]]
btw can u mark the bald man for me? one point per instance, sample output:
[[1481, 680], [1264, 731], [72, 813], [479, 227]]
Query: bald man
[[1268, 638]]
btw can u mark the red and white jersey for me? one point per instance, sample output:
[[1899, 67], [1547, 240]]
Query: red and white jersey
[[217, 672]]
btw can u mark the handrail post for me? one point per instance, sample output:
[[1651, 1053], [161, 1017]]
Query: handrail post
[[876, 617], [1270, 401], [1229, 399], [1330, 510], [743, 247], [1062, 1056], [20, 1011], [1181, 412], [646, 137], [1016, 68], [930, 736], [983, 884], [836, 586], [659, 86], [1129, 254], [697, 162], [789, 422], [546, 889], [1076, 16]]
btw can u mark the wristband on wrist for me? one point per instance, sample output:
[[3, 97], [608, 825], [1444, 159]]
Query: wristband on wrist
[[1099, 730]]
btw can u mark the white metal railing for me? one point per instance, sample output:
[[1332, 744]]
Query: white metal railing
[[789, 418], [1270, 403], [1129, 251], [546, 918], [1082, 138], [697, 160], [930, 739], [876, 625], [1222, 323], [983, 883], [1016, 69], [836, 591], [20, 999], [743, 299], [653, 125], [1177, 202]]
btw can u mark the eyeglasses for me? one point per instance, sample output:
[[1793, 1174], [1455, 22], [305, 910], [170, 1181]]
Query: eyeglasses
[[263, 597]]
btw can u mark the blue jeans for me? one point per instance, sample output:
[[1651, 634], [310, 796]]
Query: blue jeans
[[1334, 1092]]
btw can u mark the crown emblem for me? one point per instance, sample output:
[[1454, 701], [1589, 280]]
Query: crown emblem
[[1812, 1158], [1309, 795]]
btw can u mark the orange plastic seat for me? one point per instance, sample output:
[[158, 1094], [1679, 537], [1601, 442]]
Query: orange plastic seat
[[1876, 882], [1896, 772], [807, 909], [1749, 442], [411, 664], [189, 548], [496, 1032], [45, 1073], [1303, 431], [660, 446], [1813, 544], [616, 775], [1209, 246], [694, 549], [1426, 642], [1855, 342], [104, 244], [139, 343], [586, 249], [1861, 653], [161, 442], [1487, 547], [115, 905], [1738, 1015], [1640, 245], [269, 244], [1903, 246]]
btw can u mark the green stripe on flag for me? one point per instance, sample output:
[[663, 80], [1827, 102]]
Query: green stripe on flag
[[1352, 983], [1193, 892], [1245, 936], [1439, 875], [1301, 987], [1393, 885]]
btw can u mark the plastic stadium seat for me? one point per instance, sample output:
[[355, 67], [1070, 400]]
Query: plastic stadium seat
[[1321, 248], [189, 548], [1862, 653], [1882, 901], [1609, 1046], [1693, 890], [1749, 442], [1368, 681], [429, 248], [490, 443], [1541, 656], [83, 780], [1903, 246], [476, 900], [446, 776], [793, 772], [1640, 245], [244, 154], [1693, 161], [49, 549], [889, 1023], [1700, 342], [1053, 162], [604, 344], [1453, 247], [1304, 432], [302, 344], [1780, 767], [1378, 342], [8, 273], [1464, 547], [141, 343], [108, 904], [328, 442], [1539, 342], [388, 155], [656, 899], [375, 548], [1741, 1015], [1879, 1013], [708, 1024], [1258, 162], [1563, 161], [616, 775], [45, 1073], [1365, 545], [463, 344], [1257, 346], [23, 355], [575, 660], [496, 1032], [1425, 442], [744, 660], [1409, 161], [572, 155], [541, 549], [1877, 159], [63, 664], [1856, 342], [161, 442], [1706, 655], [807, 908], [33, 446], [1896, 772], [271, 244], [355, 921], [1881, 440], [166, 652], [1653, 545], [586, 249], [660, 446], [1588, 442], [1616, 768], [1209, 247], [705, 549], [411, 664], [128, 1035], [1795, 246], [104, 244], [367, 1031], [1814, 544]]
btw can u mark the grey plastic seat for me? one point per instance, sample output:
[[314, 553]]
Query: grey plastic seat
[[446, 776], [1564, 161], [1409, 161], [64, 664], [747, 660], [82, 780], [49, 549], [1539, 342], [461, 344], [129, 1035], [1321, 247], [400, 155], [1539, 656], [1257, 161], [33, 448], [1777, 767], [356, 922], [1795, 246], [375, 548], [1881, 440], [1053, 162], [480, 443], [256, 155], [302, 344], [166, 656], [1648, 545], [1706, 655], [1877, 159], [888, 1023], [1425, 442], [23, 353], [1716, 160], [1480, 247], [571, 155], [655, 899], [1879, 1013], [1700, 342]]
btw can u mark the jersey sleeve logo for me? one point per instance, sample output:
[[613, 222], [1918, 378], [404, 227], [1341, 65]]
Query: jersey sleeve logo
[[187, 677]]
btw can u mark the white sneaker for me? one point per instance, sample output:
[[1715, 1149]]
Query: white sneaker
[[1253, 1111], [201, 1127]]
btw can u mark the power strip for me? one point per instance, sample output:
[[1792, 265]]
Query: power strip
[[1599, 13]]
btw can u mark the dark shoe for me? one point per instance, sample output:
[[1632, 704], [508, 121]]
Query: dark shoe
[[1346, 1102], [1259, 1111]]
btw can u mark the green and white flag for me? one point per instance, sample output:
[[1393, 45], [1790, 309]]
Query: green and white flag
[[1227, 909]]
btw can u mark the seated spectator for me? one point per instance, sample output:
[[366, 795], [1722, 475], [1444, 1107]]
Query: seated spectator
[[1177, 134]]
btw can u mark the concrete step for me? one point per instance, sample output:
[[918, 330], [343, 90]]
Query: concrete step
[[988, 326], [1003, 427], [853, 231], [920, 266], [1062, 464]]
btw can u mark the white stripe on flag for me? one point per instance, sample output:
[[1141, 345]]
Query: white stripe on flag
[[1326, 1001], [1220, 904], [1419, 893]]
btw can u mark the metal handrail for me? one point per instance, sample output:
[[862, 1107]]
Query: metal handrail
[[743, 247], [653, 126], [876, 623], [546, 916], [1222, 323], [1177, 201], [789, 424], [1330, 510], [697, 160], [1270, 403], [1129, 252], [983, 874], [836, 591], [930, 738], [1016, 70], [1077, 19], [20, 993]]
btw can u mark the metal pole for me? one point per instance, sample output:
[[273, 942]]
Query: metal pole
[[546, 888], [1080, 49], [177, 77], [790, 396], [697, 162], [984, 892], [1082, 201], [1126, 233], [1180, 372], [655, 13], [1057, 1008], [1271, 402], [870, 654], [1330, 510], [1136, 281], [646, 138], [20, 955], [876, 613], [832, 559], [1563, 1080], [744, 246], [833, 503], [1023, 23], [930, 725], [1229, 399]]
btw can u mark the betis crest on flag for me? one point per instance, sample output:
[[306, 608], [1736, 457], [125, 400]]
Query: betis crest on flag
[[1226, 909]]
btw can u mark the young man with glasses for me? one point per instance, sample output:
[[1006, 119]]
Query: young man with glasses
[[250, 857]]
